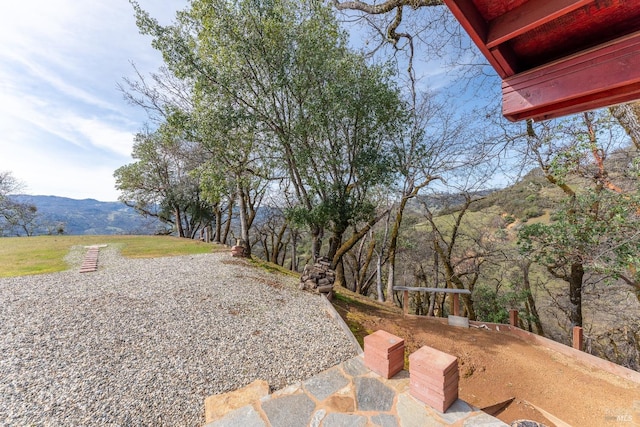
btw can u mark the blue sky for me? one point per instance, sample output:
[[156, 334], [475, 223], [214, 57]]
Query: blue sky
[[64, 126]]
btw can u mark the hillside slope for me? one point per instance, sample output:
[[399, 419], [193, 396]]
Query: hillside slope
[[87, 216], [495, 367], [611, 310]]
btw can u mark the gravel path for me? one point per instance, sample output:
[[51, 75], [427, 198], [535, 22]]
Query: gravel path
[[143, 342]]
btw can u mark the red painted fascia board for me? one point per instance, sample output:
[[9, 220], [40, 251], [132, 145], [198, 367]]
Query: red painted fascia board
[[474, 24], [530, 15], [609, 73]]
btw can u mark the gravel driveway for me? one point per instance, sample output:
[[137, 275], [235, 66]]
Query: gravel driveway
[[143, 342]]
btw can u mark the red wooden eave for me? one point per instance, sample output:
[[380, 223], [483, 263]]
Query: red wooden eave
[[557, 57]]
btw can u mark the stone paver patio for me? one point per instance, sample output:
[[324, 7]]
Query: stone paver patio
[[347, 395]]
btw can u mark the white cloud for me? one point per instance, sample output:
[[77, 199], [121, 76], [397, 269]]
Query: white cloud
[[64, 128], [66, 124], [33, 71], [54, 170], [103, 135]]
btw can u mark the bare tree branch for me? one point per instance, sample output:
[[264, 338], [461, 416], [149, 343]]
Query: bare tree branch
[[387, 6]]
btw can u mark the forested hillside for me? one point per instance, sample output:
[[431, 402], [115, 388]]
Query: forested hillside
[[492, 257], [62, 215], [268, 129]]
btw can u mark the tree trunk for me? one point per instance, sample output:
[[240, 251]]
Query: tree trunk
[[391, 276], [530, 301], [218, 235], [334, 243], [453, 281], [265, 246], [467, 300], [355, 238], [244, 228], [340, 278], [628, 115], [294, 251], [277, 246], [575, 294], [360, 268], [179, 228], [227, 227], [284, 251], [379, 280], [316, 242], [337, 264], [393, 246], [432, 300]]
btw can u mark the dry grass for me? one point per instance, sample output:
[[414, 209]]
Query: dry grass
[[20, 256]]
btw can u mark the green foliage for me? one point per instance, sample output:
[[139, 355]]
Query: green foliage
[[493, 305], [159, 184], [276, 87], [532, 192], [16, 218], [273, 268], [533, 212], [595, 228]]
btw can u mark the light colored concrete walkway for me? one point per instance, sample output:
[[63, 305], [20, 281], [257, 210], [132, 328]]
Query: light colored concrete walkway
[[347, 395]]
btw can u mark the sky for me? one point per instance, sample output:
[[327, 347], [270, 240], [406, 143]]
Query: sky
[[64, 126]]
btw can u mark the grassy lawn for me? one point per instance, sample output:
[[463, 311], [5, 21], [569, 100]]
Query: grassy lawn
[[21, 256]]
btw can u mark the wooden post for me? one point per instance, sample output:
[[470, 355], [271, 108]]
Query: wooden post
[[456, 304], [405, 302], [578, 338], [513, 317]]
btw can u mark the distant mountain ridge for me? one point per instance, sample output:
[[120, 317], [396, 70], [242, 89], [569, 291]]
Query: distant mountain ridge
[[87, 216]]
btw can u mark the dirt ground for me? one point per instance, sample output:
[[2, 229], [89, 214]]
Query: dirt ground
[[546, 386]]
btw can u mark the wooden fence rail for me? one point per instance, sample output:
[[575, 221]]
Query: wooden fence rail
[[456, 296]]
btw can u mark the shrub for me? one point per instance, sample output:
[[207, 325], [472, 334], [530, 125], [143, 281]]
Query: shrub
[[493, 305], [533, 212]]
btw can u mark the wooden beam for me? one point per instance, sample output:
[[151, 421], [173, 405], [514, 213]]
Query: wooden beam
[[506, 59], [530, 15], [475, 25], [578, 105], [595, 78]]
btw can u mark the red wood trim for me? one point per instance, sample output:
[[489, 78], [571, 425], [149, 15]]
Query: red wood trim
[[530, 15], [578, 105], [595, 78], [505, 58], [595, 54], [475, 25], [470, 19]]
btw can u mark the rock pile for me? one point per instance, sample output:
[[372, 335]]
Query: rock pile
[[319, 278]]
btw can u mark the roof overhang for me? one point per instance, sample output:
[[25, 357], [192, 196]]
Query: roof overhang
[[557, 57]]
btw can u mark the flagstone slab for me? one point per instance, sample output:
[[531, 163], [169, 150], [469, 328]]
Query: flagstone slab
[[289, 411], [325, 384], [242, 417], [373, 395]]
